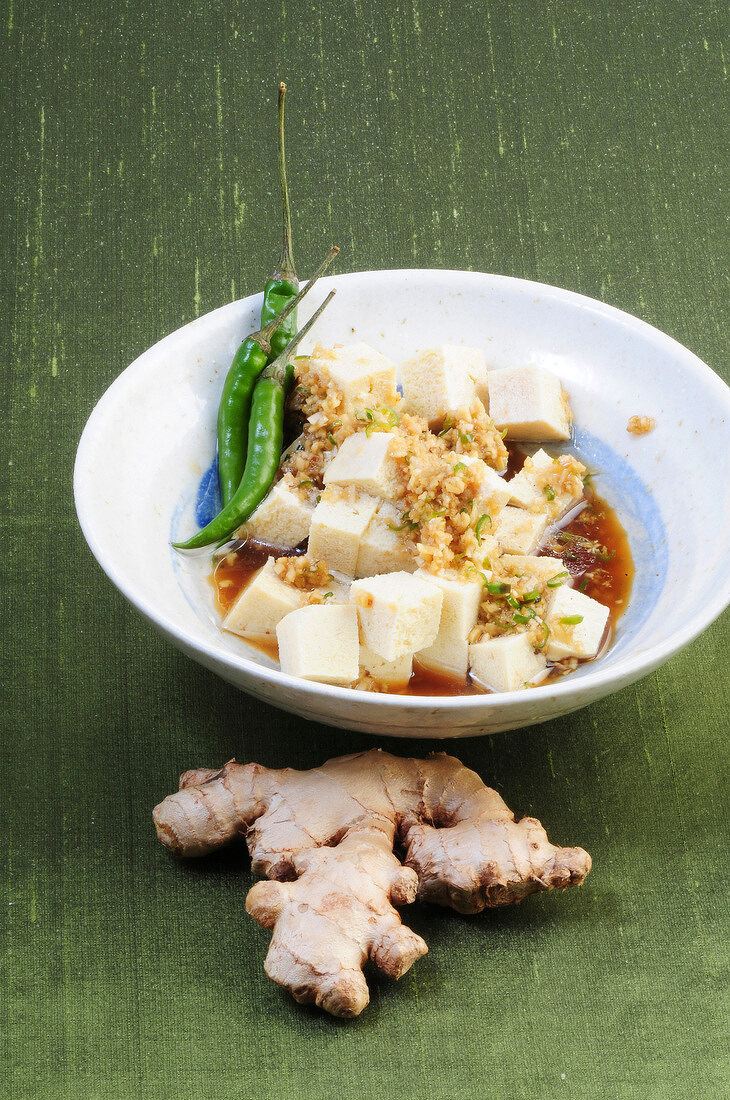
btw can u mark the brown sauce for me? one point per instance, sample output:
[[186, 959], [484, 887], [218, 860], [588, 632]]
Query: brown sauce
[[233, 572], [591, 543], [595, 551], [425, 681]]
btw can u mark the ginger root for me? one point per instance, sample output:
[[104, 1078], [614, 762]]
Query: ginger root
[[325, 840]]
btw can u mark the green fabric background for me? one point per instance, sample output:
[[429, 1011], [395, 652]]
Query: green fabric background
[[578, 143]]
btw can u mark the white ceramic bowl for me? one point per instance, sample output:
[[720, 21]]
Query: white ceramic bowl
[[152, 436]]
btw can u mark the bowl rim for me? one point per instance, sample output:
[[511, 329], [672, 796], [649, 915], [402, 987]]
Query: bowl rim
[[626, 669]]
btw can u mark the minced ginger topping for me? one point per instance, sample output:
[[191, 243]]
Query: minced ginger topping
[[641, 425]]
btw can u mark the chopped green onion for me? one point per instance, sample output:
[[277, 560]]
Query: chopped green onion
[[448, 425], [407, 523], [531, 597], [503, 433], [496, 588], [480, 523], [549, 492], [331, 439], [522, 618], [545, 636], [571, 620], [301, 484], [555, 581], [583, 585], [459, 466], [327, 595], [389, 414], [512, 602], [465, 437]]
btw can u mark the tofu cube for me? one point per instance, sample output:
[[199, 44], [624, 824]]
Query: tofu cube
[[494, 491], [507, 663], [449, 656], [461, 598], [398, 613], [529, 402], [387, 672], [363, 462], [580, 638], [366, 378], [519, 531], [527, 488], [263, 603], [441, 380], [281, 519], [320, 643], [382, 547], [540, 570], [523, 488], [338, 524]]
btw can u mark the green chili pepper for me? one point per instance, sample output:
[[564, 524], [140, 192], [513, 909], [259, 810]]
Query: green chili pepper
[[281, 289], [264, 446], [235, 405]]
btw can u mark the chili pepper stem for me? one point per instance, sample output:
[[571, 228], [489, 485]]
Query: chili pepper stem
[[277, 368], [286, 269], [264, 335]]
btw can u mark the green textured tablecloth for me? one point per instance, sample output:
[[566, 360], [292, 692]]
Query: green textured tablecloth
[[578, 143]]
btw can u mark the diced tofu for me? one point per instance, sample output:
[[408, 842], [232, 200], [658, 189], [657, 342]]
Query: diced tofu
[[539, 569], [320, 643], [382, 547], [506, 663], [281, 519], [439, 381], [461, 598], [263, 603], [363, 462], [449, 656], [571, 638], [529, 402], [338, 524], [387, 672], [519, 531], [494, 490], [528, 487], [399, 613], [366, 378], [449, 650], [523, 489]]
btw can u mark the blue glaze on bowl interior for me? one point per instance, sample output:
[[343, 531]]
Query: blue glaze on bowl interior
[[208, 499], [619, 484]]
